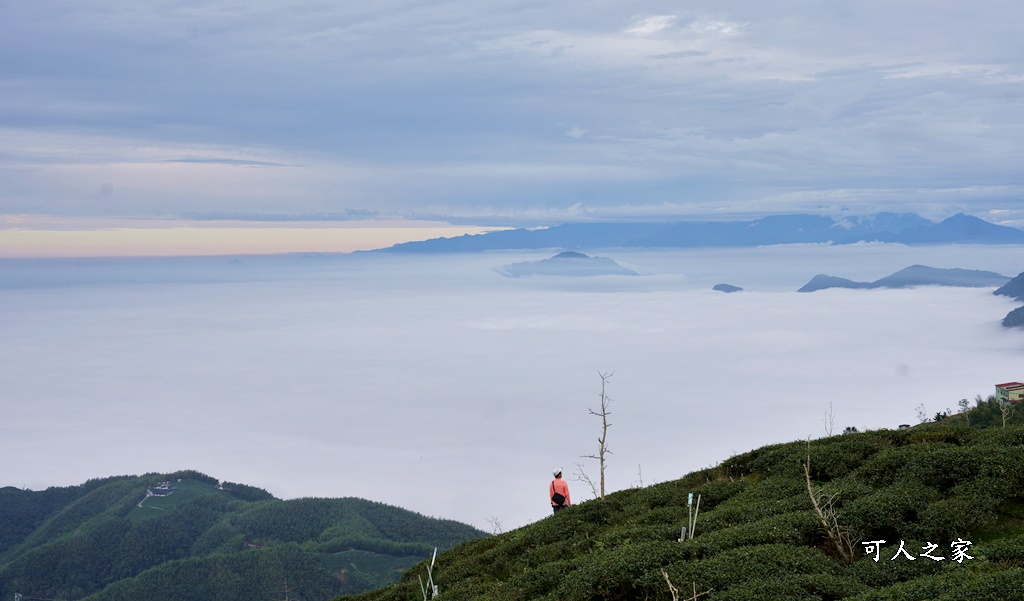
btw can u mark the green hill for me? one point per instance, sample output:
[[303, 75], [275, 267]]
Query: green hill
[[758, 535], [108, 540]]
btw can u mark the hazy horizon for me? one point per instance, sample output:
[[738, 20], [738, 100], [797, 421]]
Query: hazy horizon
[[47, 236], [436, 384]]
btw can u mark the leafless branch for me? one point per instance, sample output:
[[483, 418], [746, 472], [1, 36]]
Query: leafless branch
[[824, 507], [581, 476], [671, 587], [602, 441], [675, 592], [1005, 410]]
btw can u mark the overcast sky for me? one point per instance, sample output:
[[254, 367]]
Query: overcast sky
[[511, 111]]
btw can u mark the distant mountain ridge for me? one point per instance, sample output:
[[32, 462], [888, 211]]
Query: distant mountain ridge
[[110, 540], [823, 282], [915, 275], [1015, 290], [568, 263], [1014, 319], [959, 228], [727, 288], [903, 228]]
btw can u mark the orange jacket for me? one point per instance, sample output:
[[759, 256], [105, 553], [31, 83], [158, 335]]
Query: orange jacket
[[559, 485]]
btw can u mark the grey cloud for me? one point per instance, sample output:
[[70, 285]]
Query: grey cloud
[[681, 54], [224, 161], [793, 98]]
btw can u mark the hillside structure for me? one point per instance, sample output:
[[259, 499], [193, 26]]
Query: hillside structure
[[1010, 392], [164, 489]]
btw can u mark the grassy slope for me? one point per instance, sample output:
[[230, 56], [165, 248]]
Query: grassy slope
[[757, 536]]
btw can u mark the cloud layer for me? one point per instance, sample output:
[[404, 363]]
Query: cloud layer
[[584, 109], [421, 382]]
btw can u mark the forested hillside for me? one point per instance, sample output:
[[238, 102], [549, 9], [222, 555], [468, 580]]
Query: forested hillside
[[109, 540], [931, 512]]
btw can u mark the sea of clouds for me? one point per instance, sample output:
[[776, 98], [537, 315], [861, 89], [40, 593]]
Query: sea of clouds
[[436, 384]]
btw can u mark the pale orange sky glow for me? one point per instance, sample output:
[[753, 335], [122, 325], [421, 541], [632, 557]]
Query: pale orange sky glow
[[38, 237]]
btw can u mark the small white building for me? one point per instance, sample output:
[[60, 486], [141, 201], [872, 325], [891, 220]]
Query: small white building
[[162, 490]]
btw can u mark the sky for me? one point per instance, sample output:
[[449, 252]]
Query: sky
[[511, 112], [438, 385]]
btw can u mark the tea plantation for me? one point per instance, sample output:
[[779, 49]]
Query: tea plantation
[[953, 495]]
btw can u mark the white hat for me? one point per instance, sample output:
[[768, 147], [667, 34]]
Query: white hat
[[556, 472]]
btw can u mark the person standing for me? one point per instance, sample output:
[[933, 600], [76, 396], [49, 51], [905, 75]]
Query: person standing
[[558, 492]]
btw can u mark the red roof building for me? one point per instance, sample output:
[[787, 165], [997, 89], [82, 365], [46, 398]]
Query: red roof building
[[1010, 392]]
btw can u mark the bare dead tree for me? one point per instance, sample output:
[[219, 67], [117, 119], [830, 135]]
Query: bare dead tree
[[675, 592], [824, 507], [581, 476], [965, 410], [602, 441], [830, 415], [495, 523], [1005, 410], [671, 587]]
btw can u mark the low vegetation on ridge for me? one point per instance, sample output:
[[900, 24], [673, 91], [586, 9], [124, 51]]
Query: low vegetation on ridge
[[908, 497], [113, 539]]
